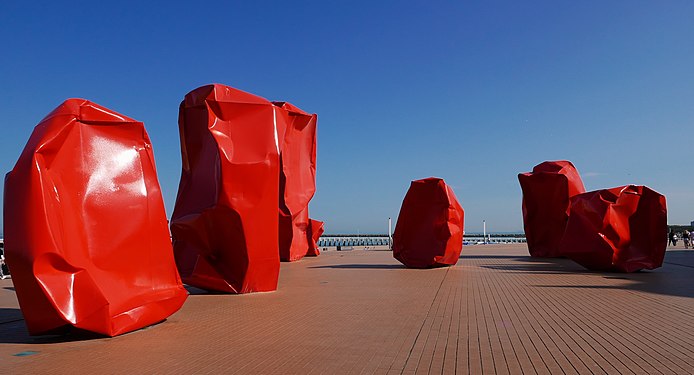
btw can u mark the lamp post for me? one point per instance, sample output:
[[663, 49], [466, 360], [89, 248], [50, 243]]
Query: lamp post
[[484, 231], [390, 237]]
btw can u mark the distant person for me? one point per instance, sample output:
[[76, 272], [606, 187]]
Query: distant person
[[685, 238], [2, 264], [691, 238], [672, 239]]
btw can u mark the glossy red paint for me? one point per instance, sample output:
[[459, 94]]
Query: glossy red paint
[[546, 193], [225, 221], [429, 230], [316, 229], [85, 231], [620, 229], [297, 180]]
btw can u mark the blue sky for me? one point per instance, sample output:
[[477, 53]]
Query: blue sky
[[471, 91]]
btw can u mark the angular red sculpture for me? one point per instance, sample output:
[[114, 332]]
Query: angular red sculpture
[[225, 222], [316, 229], [297, 180], [430, 227], [85, 228], [620, 229], [546, 193]]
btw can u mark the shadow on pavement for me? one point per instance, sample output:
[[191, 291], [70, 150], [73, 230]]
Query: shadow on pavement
[[464, 256], [195, 291], [675, 278], [15, 332], [363, 266], [526, 264]]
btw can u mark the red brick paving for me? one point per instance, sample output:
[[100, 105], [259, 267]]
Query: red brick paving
[[497, 311]]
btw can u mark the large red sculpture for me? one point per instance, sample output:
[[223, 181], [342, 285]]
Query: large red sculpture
[[316, 229], [619, 229], [297, 180], [546, 193], [85, 228], [429, 230], [225, 222]]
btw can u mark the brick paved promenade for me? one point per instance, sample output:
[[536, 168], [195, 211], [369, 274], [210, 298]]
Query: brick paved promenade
[[496, 312]]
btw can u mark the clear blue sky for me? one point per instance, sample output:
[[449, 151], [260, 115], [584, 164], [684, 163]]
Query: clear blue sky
[[470, 91]]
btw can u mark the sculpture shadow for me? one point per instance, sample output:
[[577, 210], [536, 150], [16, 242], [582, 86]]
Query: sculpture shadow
[[528, 264], [195, 291], [674, 278], [653, 282], [463, 256], [363, 266], [10, 314], [14, 331], [684, 258]]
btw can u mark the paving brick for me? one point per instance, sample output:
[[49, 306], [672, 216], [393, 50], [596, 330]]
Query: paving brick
[[497, 311]]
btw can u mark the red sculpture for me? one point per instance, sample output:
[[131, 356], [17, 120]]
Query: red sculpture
[[225, 222], [429, 230], [85, 231], [316, 229], [546, 193], [620, 229], [297, 180]]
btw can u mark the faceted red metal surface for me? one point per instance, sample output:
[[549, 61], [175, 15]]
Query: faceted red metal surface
[[225, 222], [429, 230], [620, 229], [297, 180], [546, 193], [316, 229], [85, 228]]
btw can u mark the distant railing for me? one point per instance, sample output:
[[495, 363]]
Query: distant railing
[[340, 240], [381, 240], [480, 240]]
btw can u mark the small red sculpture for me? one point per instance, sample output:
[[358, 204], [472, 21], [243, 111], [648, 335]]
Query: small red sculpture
[[85, 228], [429, 230], [225, 222], [316, 229], [620, 229], [546, 193], [297, 180]]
